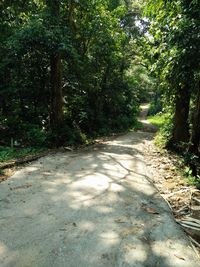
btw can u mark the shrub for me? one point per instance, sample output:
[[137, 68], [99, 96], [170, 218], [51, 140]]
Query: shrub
[[164, 122], [36, 137]]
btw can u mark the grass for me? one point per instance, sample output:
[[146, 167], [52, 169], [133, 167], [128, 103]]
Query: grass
[[7, 153], [163, 121], [138, 125], [158, 120]]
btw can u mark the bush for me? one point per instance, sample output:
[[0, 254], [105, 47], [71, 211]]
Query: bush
[[36, 137], [164, 122], [163, 135], [7, 153], [66, 136], [155, 107], [159, 119]]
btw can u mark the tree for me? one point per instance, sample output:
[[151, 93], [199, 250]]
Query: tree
[[79, 49], [195, 135], [174, 30], [56, 106]]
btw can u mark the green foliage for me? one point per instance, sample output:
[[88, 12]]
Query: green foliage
[[172, 45], [66, 136], [138, 125], [156, 104], [192, 180], [187, 163], [7, 153], [143, 84], [36, 137], [158, 120], [101, 80], [173, 57], [155, 107], [164, 122]]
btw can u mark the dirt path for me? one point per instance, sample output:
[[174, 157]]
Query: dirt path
[[147, 127], [93, 208]]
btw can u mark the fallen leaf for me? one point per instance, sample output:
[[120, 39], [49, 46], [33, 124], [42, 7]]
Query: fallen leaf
[[120, 220], [179, 257], [151, 210], [131, 230], [68, 148], [21, 187]]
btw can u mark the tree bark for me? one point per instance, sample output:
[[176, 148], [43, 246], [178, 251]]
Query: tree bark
[[195, 137], [56, 109], [180, 131], [56, 104]]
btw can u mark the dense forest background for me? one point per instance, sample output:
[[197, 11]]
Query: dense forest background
[[73, 70], [66, 70]]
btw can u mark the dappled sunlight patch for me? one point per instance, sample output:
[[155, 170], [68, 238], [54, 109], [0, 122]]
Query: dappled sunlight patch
[[47, 173], [116, 187], [116, 175], [135, 178], [20, 175], [75, 205], [139, 184], [110, 238], [11, 259], [177, 257], [132, 230], [97, 181], [113, 198], [51, 190], [9, 256], [108, 166], [147, 189], [105, 209], [31, 211], [98, 210], [87, 225], [31, 168], [145, 122], [127, 164], [56, 180], [119, 143], [72, 197], [3, 249], [26, 256], [49, 183], [134, 253]]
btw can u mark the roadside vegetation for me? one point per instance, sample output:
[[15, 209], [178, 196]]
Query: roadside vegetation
[[71, 71], [163, 121], [174, 61], [7, 153], [158, 119]]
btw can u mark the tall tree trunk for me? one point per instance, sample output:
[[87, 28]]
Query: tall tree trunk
[[56, 107], [56, 110], [195, 137], [180, 131]]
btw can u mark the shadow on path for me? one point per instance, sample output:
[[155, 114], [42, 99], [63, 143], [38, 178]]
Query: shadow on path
[[94, 208]]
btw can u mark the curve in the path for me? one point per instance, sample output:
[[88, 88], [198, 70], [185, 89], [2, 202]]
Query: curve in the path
[[147, 126]]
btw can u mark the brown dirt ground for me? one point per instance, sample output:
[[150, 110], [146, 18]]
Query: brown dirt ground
[[164, 169]]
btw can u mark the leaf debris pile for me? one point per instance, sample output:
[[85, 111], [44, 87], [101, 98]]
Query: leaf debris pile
[[183, 199]]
